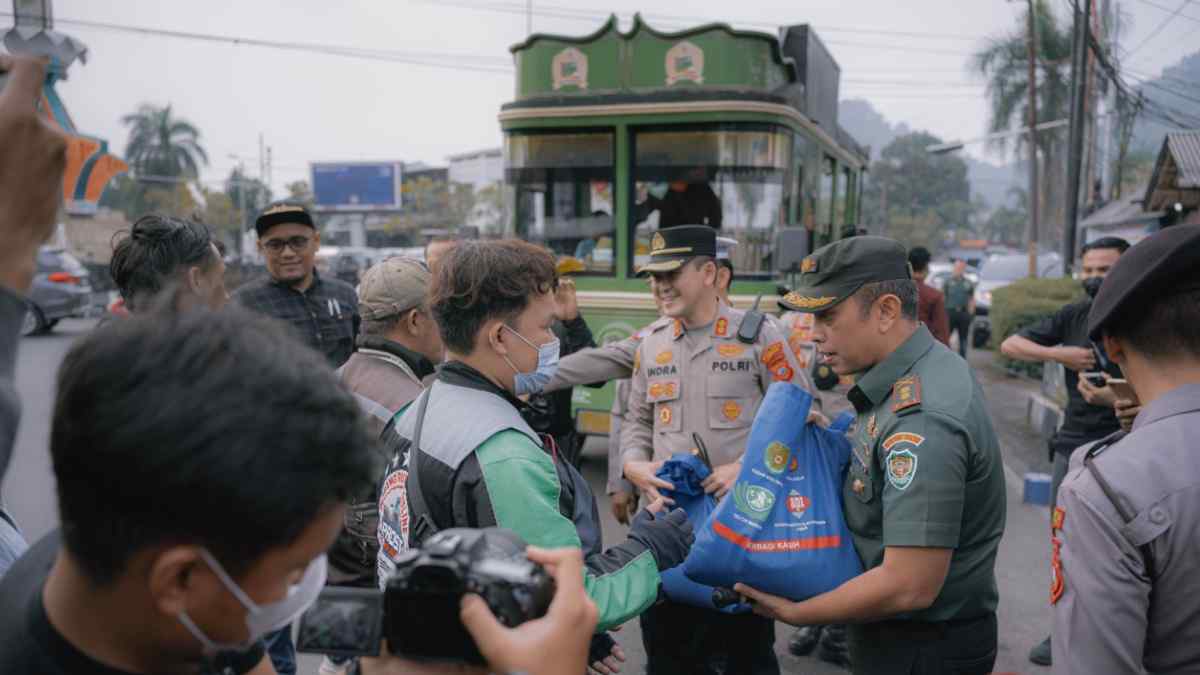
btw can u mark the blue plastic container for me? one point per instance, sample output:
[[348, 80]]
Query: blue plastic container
[[1037, 489]]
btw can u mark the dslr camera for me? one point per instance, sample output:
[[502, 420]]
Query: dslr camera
[[417, 611]]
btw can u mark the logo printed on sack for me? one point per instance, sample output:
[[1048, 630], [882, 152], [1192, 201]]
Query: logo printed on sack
[[901, 468], [776, 456], [797, 504], [754, 501]]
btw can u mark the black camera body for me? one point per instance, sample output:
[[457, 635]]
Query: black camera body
[[418, 610]]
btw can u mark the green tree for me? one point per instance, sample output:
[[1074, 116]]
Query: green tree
[[925, 192], [163, 145], [1004, 64], [1006, 225], [247, 194]]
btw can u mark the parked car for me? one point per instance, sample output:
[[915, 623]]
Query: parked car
[[61, 288], [998, 271]]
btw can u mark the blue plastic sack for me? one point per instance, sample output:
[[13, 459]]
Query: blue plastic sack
[[686, 472], [781, 528]]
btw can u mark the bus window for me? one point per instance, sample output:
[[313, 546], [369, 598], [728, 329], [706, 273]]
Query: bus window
[[825, 196], [731, 177], [560, 192]]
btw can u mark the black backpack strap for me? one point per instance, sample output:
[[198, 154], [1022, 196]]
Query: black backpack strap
[[423, 526], [1111, 494]]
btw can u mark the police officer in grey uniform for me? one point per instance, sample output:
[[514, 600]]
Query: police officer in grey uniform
[[1127, 526]]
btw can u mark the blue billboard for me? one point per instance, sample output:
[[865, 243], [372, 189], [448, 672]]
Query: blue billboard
[[356, 186]]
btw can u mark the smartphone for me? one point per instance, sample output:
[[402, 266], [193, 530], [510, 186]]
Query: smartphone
[[1123, 389], [1096, 379]]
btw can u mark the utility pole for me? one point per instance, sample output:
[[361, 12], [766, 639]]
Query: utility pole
[[528, 18], [1033, 141], [1075, 151]]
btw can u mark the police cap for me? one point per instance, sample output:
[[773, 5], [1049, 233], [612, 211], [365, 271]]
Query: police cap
[[1159, 266], [674, 246]]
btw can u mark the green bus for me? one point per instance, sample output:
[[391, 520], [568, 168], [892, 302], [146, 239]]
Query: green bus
[[616, 134]]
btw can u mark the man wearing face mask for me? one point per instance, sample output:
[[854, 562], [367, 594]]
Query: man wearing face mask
[[472, 459], [1063, 338]]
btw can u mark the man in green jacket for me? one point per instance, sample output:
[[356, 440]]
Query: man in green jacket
[[477, 463]]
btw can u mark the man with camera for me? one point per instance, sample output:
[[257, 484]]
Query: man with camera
[[472, 459], [1063, 338]]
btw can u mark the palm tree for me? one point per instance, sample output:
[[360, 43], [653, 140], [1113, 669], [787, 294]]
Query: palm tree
[[1004, 63], [162, 145]]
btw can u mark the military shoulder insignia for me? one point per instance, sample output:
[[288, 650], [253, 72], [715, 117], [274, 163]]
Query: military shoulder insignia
[[722, 327], [678, 329], [900, 465], [807, 265], [1058, 518], [906, 393]]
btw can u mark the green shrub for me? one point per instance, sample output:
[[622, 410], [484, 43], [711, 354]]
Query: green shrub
[[1024, 303]]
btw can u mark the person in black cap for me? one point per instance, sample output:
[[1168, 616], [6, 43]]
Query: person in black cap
[[1127, 525], [324, 312], [924, 495], [692, 376]]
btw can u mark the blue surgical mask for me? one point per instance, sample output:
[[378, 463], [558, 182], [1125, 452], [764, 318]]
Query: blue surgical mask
[[535, 382]]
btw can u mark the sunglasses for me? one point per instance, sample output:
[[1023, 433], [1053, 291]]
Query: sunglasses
[[297, 244]]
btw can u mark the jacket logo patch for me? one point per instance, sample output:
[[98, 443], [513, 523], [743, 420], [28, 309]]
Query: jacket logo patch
[[808, 265], [731, 411], [664, 358], [906, 393], [730, 350], [783, 373], [661, 391], [901, 468], [664, 414], [722, 328]]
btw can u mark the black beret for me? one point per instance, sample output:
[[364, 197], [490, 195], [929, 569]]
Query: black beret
[[1162, 264]]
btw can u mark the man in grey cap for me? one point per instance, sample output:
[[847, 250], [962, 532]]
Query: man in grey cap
[[397, 350], [1127, 525]]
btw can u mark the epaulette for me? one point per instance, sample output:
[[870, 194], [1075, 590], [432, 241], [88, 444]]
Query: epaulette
[[652, 327], [906, 394]]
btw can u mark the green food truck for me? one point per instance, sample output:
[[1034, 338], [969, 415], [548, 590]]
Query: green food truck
[[616, 134]]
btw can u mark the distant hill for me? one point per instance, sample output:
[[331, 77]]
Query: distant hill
[[1175, 94], [871, 128]]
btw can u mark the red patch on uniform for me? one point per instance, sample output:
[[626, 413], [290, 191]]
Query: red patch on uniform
[[678, 329], [722, 328], [1058, 518], [664, 414], [1058, 583], [783, 373], [731, 410]]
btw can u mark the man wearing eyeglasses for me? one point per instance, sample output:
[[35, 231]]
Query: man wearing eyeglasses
[[324, 312]]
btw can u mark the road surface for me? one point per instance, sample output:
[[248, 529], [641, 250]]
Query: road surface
[[1022, 569]]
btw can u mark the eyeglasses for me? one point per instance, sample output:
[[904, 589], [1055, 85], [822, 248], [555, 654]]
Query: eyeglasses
[[297, 244]]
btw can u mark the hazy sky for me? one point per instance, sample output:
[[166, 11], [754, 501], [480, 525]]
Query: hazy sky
[[313, 107]]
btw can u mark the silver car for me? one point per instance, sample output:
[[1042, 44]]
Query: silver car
[[61, 288]]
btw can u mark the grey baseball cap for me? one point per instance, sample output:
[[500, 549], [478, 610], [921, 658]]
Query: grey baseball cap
[[391, 287]]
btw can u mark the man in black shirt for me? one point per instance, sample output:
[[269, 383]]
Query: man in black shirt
[[689, 200], [324, 312], [1063, 338]]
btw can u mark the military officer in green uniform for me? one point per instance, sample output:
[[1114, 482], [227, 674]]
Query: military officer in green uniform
[[960, 304], [924, 496]]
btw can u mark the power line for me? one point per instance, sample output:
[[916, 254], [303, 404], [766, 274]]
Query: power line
[[1154, 33], [431, 59], [1168, 9], [1168, 90]]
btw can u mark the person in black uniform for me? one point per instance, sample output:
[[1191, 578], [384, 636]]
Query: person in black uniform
[[689, 200]]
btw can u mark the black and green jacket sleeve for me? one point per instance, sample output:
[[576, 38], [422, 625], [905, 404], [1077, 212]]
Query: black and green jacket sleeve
[[519, 488]]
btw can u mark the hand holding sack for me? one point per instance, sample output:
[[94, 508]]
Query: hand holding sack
[[782, 530], [686, 472]]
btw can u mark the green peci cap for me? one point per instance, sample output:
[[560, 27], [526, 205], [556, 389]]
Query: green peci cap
[[670, 248], [833, 273]]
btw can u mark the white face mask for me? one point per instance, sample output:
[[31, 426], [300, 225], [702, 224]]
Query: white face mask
[[533, 383], [261, 619]]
